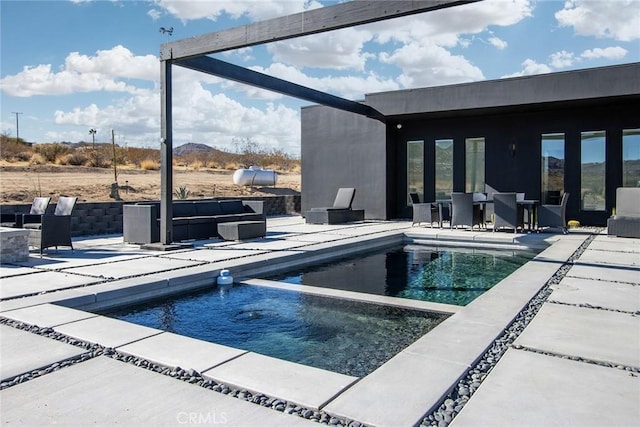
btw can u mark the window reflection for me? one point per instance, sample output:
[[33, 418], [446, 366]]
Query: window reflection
[[552, 152], [631, 158], [444, 168], [474, 165], [592, 170], [415, 169]]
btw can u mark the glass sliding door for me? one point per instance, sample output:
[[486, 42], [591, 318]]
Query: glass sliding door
[[415, 169], [444, 168], [592, 170], [474, 165], [631, 158], [552, 152]]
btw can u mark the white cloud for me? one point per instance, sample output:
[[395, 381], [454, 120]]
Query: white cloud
[[154, 14], [186, 10], [340, 49], [350, 87], [497, 42], [562, 59], [81, 73], [617, 19], [444, 27], [426, 64], [614, 52], [530, 67]]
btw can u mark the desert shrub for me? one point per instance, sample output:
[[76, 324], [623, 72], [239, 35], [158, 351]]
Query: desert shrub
[[97, 159], [12, 149], [77, 158], [149, 165], [37, 159], [52, 151], [136, 156]]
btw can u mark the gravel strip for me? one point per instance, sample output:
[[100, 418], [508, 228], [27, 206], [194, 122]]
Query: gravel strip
[[461, 393]]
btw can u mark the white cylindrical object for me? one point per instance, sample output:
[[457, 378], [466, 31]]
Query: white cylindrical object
[[255, 176], [225, 278]]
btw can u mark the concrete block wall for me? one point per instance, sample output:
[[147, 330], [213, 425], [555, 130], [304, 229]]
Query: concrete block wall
[[96, 218]]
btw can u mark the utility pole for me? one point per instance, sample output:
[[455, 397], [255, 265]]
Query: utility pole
[[17, 126]]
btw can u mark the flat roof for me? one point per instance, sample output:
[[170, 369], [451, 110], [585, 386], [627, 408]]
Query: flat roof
[[577, 85]]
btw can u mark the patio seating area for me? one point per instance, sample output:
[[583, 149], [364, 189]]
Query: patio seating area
[[565, 367]]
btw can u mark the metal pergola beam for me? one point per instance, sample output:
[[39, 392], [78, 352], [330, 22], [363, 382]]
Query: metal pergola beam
[[314, 21], [233, 72], [191, 53]]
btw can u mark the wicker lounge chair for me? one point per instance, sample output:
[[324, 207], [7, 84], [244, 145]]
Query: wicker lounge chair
[[53, 230], [340, 212], [38, 208]]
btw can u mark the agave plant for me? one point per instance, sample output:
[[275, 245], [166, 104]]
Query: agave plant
[[182, 192]]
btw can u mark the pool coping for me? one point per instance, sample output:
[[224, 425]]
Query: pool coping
[[350, 398]]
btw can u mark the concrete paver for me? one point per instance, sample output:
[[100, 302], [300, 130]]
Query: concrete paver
[[618, 258], [598, 293], [552, 391], [23, 352], [47, 315], [132, 267], [601, 335], [174, 350], [607, 273], [103, 391], [105, 331], [29, 284], [304, 385]]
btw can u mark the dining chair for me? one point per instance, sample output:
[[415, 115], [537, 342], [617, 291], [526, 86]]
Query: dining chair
[[464, 212]]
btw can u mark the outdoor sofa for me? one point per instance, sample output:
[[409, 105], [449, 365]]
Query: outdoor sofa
[[192, 220], [626, 221]]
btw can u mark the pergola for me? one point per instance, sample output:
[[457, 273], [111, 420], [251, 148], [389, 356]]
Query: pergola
[[193, 53]]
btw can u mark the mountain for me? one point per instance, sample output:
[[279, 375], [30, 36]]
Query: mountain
[[191, 147]]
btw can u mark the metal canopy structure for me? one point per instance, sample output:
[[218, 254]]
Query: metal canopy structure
[[192, 53]]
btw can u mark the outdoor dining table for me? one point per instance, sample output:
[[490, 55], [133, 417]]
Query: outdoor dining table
[[530, 205]]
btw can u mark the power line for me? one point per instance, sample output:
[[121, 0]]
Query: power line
[[17, 126]]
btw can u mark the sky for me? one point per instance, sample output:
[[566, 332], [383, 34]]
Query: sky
[[68, 66]]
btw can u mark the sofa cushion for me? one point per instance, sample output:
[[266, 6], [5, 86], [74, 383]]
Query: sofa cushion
[[208, 208], [184, 209], [231, 206]]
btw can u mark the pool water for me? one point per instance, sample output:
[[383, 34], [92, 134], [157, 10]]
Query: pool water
[[448, 275], [351, 338]]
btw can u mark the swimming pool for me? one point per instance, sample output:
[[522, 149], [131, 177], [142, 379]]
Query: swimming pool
[[351, 338], [449, 275]]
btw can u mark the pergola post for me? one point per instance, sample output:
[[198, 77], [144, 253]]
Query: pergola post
[[166, 155]]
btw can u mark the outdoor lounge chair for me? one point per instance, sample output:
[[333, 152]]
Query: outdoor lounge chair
[[626, 221], [340, 212], [506, 211], [38, 208], [53, 230], [554, 215], [464, 211], [423, 212]]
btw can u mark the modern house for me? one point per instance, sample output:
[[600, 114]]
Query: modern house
[[543, 135]]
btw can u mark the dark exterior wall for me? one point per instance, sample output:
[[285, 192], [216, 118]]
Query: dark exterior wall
[[521, 171], [90, 219], [341, 149]]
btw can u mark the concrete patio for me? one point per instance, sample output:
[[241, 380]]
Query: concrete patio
[[576, 363]]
